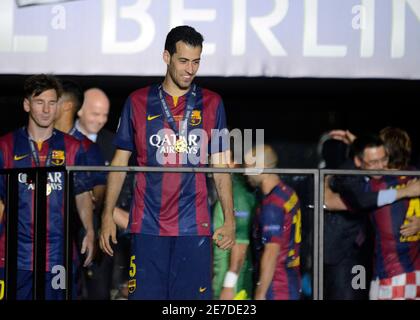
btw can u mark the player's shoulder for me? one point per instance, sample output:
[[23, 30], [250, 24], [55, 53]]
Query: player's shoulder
[[285, 189], [69, 140], [283, 195], [6, 138], [140, 92], [210, 94]]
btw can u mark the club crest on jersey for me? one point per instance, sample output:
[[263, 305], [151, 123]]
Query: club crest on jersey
[[57, 157], [132, 285], [195, 118]]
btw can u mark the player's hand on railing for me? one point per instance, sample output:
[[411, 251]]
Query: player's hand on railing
[[88, 246], [224, 237], [108, 230]]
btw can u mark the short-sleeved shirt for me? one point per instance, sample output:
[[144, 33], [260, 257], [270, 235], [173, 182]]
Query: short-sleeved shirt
[[59, 150], [278, 220], [94, 157], [394, 253], [171, 204]]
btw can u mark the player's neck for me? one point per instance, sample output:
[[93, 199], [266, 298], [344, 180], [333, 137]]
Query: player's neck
[[39, 134], [172, 88], [64, 124], [269, 183]]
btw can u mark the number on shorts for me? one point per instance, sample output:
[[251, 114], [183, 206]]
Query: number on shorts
[[132, 267], [1, 289]]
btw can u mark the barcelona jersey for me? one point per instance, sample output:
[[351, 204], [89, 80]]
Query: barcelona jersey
[[59, 150], [94, 157], [171, 204], [278, 220], [394, 254]]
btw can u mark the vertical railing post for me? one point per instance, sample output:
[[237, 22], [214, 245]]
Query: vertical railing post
[[40, 234], [321, 235], [12, 210], [316, 238], [68, 233]]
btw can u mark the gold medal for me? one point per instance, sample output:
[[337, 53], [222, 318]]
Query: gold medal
[[181, 145]]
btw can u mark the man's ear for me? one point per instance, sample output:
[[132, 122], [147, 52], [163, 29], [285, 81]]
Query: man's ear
[[26, 105], [357, 162], [67, 106], [166, 57]]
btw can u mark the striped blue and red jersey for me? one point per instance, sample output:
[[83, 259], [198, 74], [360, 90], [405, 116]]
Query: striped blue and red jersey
[[171, 204], [59, 150], [278, 220], [94, 157], [394, 253]]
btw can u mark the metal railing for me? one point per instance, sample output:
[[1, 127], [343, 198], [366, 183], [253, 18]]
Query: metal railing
[[40, 180]]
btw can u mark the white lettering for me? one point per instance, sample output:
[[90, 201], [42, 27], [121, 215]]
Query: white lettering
[[59, 20], [311, 48], [136, 12], [59, 281], [179, 16], [262, 26], [398, 25], [17, 43]]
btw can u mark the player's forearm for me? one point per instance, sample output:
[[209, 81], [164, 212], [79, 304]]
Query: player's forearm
[[99, 195], [237, 257], [85, 209], [113, 189], [121, 217], [223, 184], [333, 201], [115, 182], [267, 268], [410, 191]]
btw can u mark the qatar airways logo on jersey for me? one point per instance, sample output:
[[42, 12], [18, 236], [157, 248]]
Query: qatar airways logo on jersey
[[197, 146], [54, 181], [171, 143]]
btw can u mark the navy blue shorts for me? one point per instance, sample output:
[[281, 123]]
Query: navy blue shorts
[[170, 268], [24, 286]]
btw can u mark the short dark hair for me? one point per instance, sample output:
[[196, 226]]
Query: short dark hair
[[74, 92], [38, 83], [365, 141], [398, 145], [185, 34]]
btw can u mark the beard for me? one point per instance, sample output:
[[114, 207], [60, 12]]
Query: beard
[[179, 84]]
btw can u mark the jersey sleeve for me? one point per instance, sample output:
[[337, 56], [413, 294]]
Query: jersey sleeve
[[355, 192], [2, 179], [82, 181], [220, 134], [272, 223], [124, 136], [94, 157], [2, 192]]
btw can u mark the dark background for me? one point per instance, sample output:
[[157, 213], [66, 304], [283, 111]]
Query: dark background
[[293, 112]]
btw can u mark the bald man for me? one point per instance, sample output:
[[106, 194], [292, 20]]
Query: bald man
[[277, 232], [94, 113]]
